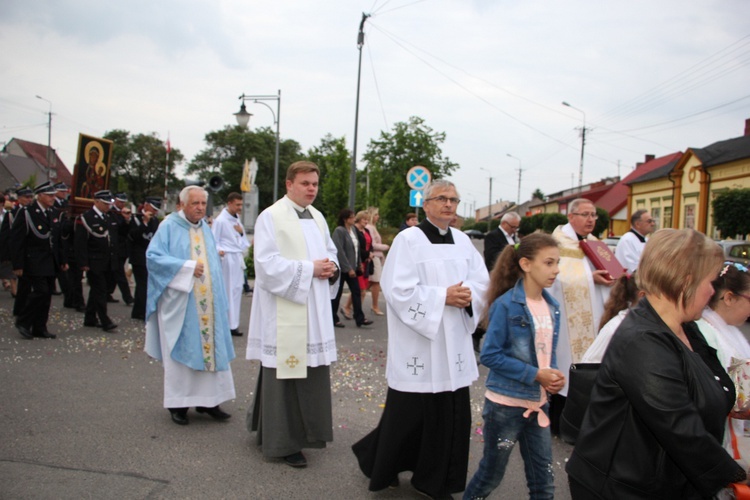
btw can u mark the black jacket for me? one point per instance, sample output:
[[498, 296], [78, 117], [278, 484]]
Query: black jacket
[[655, 423], [35, 241], [96, 241], [140, 237], [494, 243]]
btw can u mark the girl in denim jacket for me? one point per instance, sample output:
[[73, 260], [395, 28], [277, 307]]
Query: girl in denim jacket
[[519, 349]]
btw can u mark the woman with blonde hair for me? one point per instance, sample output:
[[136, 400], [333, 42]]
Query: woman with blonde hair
[[655, 423], [378, 257]]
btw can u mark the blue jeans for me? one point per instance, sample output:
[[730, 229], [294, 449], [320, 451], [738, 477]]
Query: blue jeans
[[503, 426]]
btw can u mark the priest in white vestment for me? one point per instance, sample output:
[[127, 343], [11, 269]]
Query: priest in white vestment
[[581, 290], [631, 244], [291, 324], [231, 243], [434, 283], [187, 325]]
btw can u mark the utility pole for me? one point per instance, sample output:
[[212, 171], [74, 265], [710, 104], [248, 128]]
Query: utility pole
[[353, 174], [49, 136]]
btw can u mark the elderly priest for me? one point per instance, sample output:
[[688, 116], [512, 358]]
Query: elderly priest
[[187, 326]]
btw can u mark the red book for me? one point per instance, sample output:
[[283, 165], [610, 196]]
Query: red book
[[602, 257]]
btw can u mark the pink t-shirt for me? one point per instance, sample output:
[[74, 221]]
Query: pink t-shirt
[[543, 337]]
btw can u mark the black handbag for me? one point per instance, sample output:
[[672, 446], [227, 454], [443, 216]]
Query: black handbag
[[582, 378]]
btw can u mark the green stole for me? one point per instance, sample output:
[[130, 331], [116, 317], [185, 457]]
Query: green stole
[[291, 318]]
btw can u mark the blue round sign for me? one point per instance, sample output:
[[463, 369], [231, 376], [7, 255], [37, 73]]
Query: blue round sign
[[418, 177]]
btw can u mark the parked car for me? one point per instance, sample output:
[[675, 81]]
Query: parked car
[[474, 234], [736, 251], [612, 242]]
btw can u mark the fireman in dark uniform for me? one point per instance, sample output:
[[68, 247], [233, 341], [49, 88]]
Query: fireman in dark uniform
[[120, 212], [96, 252], [61, 206], [142, 228], [25, 196], [36, 257]]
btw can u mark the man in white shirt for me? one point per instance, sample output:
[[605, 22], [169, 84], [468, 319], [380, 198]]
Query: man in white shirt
[[231, 243], [631, 244]]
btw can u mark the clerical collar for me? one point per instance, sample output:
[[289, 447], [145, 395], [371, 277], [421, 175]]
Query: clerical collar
[[302, 212], [194, 225], [435, 234], [580, 238], [638, 235]]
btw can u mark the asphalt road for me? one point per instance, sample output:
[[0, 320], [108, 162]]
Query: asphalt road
[[81, 417]]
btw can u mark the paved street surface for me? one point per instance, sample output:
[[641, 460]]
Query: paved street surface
[[81, 417]]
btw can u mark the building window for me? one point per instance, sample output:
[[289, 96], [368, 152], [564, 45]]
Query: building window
[[656, 215], [689, 216], [667, 222]]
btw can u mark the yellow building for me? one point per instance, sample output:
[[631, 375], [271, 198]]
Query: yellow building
[[679, 193]]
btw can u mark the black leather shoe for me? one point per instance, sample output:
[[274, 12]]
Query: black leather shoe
[[81, 309], [109, 327], [46, 335], [366, 322], [129, 302], [236, 333], [214, 412], [56, 292], [25, 332], [92, 324], [296, 460], [138, 317], [179, 417], [112, 300]]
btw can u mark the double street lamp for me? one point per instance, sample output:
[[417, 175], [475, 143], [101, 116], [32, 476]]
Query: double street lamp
[[243, 118]]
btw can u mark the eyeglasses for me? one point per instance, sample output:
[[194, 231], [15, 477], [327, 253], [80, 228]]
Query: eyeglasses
[[586, 215], [650, 221], [444, 199], [513, 227], [126, 212]]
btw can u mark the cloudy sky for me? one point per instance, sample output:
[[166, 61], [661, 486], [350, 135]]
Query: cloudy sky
[[651, 77]]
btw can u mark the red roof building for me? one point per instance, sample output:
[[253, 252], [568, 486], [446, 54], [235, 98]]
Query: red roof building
[[38, 152]]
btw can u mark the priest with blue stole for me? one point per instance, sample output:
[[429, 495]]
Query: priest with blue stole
[[187, 325]]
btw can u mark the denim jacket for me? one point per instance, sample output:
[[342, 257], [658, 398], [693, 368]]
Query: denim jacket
[[509, 349]]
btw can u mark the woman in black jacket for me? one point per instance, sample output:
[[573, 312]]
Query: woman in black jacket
[[655, 422]]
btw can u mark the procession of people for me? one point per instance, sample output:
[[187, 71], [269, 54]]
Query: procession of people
[[539, 298]]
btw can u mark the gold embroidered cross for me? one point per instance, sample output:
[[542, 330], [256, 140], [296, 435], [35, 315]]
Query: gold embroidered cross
[[292, 362]]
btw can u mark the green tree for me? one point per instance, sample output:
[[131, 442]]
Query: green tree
[[227, 151], [391, 156], [732, 212], [138, 164], [552, 220], [602, 223], [537, 194], [334, 161]]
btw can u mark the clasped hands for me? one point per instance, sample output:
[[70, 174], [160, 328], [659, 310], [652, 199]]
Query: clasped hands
[[458, 295], [324, 268], [552, 380]]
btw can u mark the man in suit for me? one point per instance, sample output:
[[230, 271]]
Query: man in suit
[[497, 239], [143, 226], [96, 251], [36, 257], [60, 206]]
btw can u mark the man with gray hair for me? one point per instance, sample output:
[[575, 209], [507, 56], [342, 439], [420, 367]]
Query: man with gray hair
[[631, 244], [434, 282], [187, 325], [500, 237]]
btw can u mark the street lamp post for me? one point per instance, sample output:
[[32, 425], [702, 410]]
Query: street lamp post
[[353, 172], [49, 135], [583, 143], [518, 197], [243, 118]]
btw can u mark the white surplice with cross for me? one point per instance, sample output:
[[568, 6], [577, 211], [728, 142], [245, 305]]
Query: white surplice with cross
[[430, 348]]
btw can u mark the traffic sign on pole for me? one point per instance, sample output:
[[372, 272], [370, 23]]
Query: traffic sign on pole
[[416, 198], [418, 177]]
